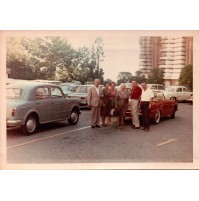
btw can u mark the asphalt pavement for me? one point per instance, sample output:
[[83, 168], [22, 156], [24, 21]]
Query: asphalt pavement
[[169, 141]]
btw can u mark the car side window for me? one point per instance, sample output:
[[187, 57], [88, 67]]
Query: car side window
[[179, 90], [55, 92], [161, 88], [154, 87], [185, 89], [42, 93]]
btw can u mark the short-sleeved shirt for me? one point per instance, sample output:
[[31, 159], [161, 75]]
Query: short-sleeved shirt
[[147, 94], [136, 92]]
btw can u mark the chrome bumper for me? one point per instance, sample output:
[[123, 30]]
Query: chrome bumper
[[13, 123]]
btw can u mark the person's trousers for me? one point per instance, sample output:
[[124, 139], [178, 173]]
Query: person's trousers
[[95, 116], [135, 112], [145, 114]]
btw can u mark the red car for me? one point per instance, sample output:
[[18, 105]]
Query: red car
[[160, 108]]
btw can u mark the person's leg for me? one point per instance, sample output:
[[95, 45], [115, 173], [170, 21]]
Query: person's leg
[[122, 120], [143, 115], [136, 114], [93, 116], [118, 120], [103, 120], [98, 116], [147, 117], [132, 113]]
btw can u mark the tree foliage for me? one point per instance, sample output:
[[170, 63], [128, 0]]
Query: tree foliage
[[186, 76], [53, 58], [125, 77], [156, 76]]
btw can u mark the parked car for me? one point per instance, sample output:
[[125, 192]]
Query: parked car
[[81, 93], [10, 81], [49, 81], [32, 103], [179, 93], [156, 88], [160, 108], [67, 88], [89, 83]]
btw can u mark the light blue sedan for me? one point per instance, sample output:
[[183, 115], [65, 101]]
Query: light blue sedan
[[31, 103]]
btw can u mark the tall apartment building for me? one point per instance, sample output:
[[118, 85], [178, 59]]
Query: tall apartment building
[[170, 54]]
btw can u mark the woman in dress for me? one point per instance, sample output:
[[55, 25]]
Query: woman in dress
[[105, 108], [121, 104], [112, 96]]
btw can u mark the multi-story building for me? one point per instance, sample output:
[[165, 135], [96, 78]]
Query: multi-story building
[[170, 54]]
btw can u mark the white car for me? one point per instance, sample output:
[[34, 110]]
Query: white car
[[179, 93], [156, 88]]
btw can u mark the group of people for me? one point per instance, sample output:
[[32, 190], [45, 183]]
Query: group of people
[[108, 101]]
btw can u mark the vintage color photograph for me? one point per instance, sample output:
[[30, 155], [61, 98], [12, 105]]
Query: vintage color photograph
[[99, 97]]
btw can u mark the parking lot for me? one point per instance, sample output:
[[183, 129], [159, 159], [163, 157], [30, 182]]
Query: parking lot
[[169, 141]]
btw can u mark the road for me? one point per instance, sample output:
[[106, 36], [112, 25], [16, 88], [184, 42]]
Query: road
[[63, 143]]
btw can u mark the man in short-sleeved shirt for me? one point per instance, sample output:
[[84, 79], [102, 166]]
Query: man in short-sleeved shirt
[[146, 102]]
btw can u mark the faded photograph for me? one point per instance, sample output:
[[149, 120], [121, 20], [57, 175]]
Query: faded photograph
[[99, 97]]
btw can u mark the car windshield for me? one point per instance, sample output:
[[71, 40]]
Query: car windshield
[[69, 88], [14, 93], [169, 89], [81, 89]]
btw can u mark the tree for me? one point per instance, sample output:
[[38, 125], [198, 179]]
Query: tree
[[97, 56], [186, 76], [53, 58], [139, 77], [18, 60], [50, 52], [156, 76], [108, 80], [124, 77]]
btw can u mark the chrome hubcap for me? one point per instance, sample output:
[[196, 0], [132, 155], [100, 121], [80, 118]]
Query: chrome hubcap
[[157, 116], [74, 116], [31, 125]]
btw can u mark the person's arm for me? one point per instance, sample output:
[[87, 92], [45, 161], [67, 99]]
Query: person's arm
[[116, 98], [89, 97], [139, 100], [151, 100]]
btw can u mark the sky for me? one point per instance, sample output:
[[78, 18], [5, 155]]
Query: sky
[[121, 49]]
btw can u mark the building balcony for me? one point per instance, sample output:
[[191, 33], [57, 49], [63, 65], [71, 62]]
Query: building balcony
[[182, 49], [179, 53], [167, 50], [166, 58], [165, 54]]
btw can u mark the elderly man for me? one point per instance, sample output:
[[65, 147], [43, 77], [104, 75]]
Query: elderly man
[[146, 102], [136, 92], [94, 101]]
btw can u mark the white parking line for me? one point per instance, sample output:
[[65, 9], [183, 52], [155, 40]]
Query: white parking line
[[32, 141]]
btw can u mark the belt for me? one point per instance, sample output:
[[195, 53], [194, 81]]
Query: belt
[[145, 101], [134, 99]]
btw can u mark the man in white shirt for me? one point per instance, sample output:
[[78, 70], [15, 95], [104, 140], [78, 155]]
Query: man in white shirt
[[146, 102]]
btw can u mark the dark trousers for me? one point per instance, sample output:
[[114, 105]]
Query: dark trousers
[[145, 114]]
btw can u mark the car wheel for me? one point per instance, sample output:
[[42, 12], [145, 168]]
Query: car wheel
[[173, 98], [173, 114], [74, 117], [157, 117], [30, 125]]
